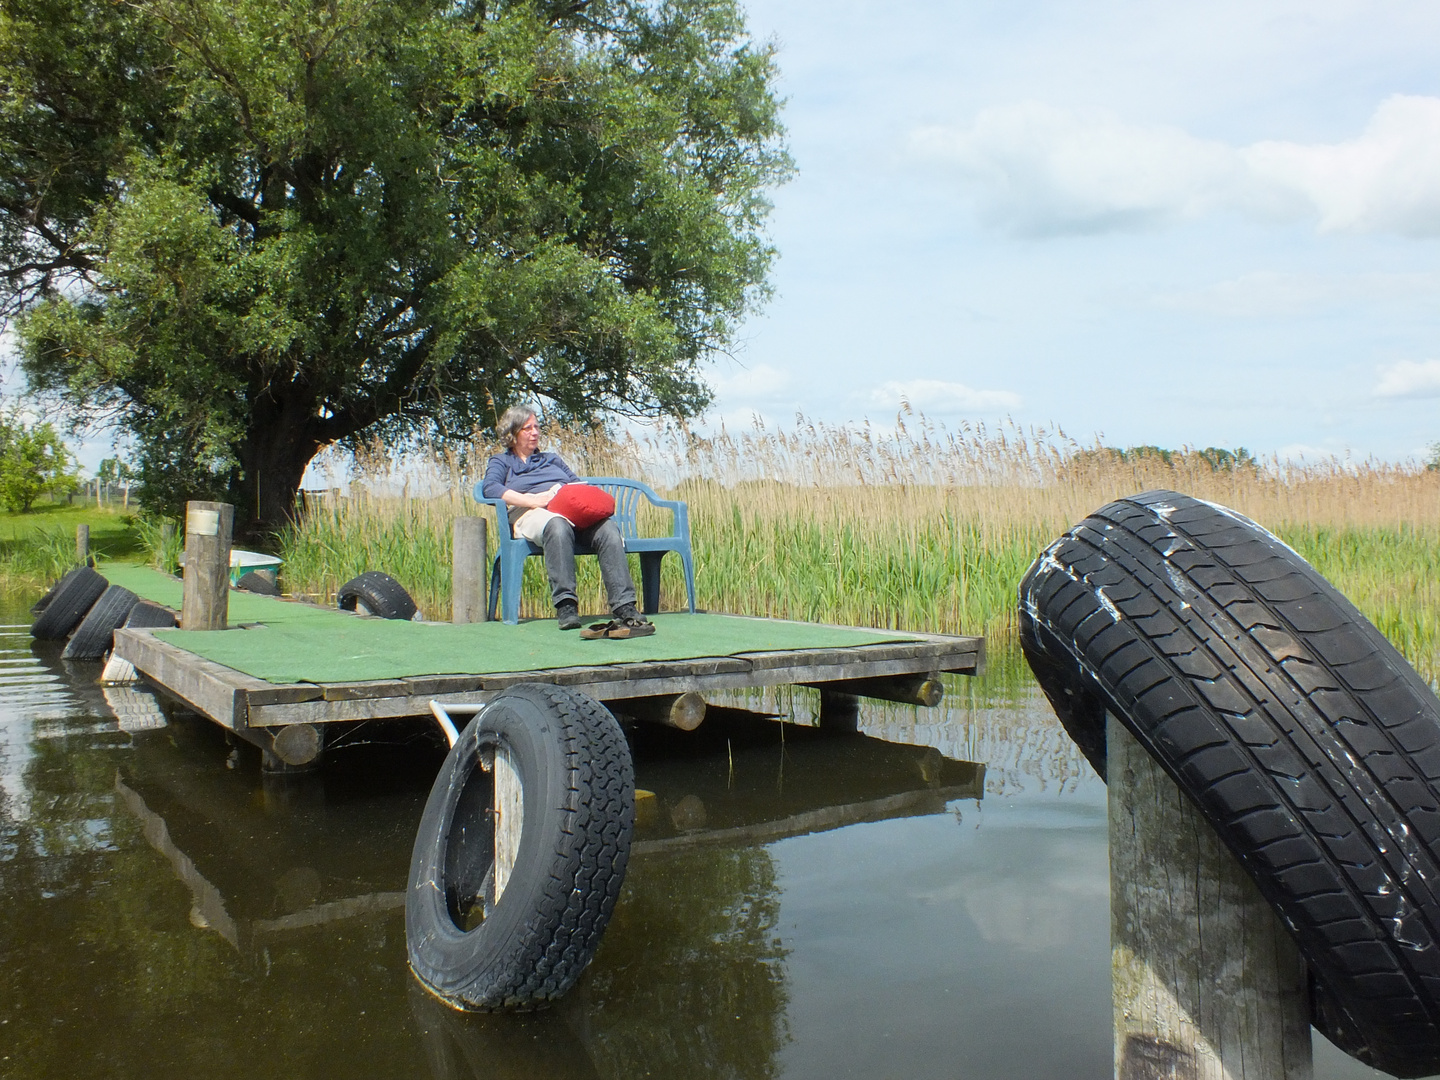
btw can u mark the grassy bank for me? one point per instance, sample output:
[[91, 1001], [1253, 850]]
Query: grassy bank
[[38, 546], [915, 529]]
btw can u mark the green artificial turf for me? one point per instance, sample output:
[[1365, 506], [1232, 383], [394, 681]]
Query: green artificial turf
[[290, 642]]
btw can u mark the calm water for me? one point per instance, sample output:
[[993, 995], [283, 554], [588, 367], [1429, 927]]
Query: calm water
[[165, 912]]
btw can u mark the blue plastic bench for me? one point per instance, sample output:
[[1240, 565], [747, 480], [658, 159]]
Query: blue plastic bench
[[511, 551]]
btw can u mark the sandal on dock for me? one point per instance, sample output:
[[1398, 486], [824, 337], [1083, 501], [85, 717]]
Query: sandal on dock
[[630, 627]]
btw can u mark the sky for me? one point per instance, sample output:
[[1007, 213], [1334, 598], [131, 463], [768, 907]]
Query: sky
[[1202, 224]]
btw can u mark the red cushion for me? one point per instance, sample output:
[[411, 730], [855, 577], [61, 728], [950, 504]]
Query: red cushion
[[583, 504]]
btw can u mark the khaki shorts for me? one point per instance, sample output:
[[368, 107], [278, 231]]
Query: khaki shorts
[[531, 524]]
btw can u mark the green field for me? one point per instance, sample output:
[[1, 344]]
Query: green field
[[37, 547]]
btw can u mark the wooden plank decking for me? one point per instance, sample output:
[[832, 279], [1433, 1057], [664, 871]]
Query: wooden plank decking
[[239, 701]]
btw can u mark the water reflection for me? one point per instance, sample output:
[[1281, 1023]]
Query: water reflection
[[798, 905]]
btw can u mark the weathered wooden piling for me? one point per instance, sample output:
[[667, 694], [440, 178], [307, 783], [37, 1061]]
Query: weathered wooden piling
[[1207, 984], [467, 569], [206, 604], [82, 544]]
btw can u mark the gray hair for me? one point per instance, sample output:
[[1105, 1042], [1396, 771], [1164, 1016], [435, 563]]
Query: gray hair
[[516, 417]]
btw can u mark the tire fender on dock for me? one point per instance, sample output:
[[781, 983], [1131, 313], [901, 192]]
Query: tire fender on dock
[[96, 633], [500, 917], [376, 593], [66, 604], [1307, 741]]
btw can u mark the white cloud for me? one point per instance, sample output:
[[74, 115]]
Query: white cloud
[[1040, 169], [1387, 180], [936, 398], [1037, 169], [1409, 379]]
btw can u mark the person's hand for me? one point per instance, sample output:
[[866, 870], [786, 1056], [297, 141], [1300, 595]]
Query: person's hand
[[542, 498]]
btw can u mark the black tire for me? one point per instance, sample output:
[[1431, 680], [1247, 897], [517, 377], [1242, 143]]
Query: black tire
[[72, 598], [44, 601], [148, 616], [96, 633], [256, 582], [578, 810], [378, 594], [1308, 742]]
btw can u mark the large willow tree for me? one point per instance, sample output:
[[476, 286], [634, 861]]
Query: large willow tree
[[246, 232]]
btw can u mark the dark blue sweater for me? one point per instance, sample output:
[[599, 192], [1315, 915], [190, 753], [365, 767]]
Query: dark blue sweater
[[536, 473]]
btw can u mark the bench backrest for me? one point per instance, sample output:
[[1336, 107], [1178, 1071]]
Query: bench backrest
[[627, 495]]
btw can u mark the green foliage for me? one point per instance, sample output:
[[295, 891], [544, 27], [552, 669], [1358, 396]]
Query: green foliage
[[112, 471], [34, 461], [161, 540], [307, 224]]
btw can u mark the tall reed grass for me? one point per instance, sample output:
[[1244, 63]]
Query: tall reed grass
[[914, 527]]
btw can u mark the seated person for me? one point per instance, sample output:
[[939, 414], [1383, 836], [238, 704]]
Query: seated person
[[527, 478]]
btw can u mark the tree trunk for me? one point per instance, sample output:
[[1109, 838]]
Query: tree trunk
[[280, 444]]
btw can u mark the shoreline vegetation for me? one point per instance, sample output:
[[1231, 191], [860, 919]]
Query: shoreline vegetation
[[909, 528]]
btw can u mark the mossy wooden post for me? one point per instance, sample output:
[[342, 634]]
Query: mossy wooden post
[[82, 544], [206, 603], [1207, 984], [467, 570]]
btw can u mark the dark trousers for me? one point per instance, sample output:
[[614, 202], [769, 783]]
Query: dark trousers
[[605, 540]]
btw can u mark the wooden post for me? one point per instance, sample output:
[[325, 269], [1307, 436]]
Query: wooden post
[[467, 571], [1207, 984], [839, 711], [82, 544], [206, 603]]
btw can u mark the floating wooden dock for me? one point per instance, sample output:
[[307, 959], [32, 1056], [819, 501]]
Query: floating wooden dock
[[244, 678], [237, 700]]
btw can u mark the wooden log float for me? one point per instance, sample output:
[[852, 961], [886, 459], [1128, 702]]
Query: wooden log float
[[467, 568], [684, 712], [294, 748], [1207, 985], [206, 603], [923, 689]]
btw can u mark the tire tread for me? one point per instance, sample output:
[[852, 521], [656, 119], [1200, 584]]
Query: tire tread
[[1263, 689]]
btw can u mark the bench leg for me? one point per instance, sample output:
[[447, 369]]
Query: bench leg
[[689, 566], [512, 572], [650, 581], [494, 587]]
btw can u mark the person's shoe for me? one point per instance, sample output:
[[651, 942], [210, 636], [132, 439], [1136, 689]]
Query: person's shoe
[[567, 612], [629, 623]]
